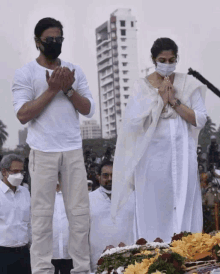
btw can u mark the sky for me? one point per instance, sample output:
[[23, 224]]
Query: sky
[[193, 24]]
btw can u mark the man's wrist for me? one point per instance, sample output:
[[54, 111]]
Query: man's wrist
[[69, 92], [175, 102]]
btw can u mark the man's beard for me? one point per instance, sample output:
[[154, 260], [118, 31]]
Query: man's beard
[[108, 186]]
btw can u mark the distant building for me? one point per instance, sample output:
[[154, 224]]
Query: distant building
[[117, 61], [22, 136], [90, 129]]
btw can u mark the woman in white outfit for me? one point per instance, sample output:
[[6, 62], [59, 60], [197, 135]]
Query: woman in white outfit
[[156, 149]]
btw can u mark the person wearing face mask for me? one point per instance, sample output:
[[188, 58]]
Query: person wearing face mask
[[103, 232], [156, 149], [49, 94], [15, 233]]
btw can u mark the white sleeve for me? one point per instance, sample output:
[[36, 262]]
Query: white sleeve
[[83, 89], [198, 105], [22, 90]]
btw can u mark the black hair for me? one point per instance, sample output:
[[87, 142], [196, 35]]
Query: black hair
[[162, 44], [47, 23], [104, 163]]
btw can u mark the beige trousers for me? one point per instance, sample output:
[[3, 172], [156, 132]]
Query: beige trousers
[[44, 168]]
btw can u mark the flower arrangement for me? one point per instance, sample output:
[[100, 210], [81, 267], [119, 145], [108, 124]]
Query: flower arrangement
[[186, 252]]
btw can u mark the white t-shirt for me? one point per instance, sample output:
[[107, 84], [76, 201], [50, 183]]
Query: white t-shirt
[[57, 127]]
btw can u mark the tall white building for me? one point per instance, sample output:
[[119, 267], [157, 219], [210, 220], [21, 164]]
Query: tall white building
[[90, 130], [117, 61]]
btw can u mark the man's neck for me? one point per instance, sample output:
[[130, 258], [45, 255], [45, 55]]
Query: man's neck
[[13, 188], [50, 64]]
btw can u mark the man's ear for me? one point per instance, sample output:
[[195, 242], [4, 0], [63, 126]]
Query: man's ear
[[3, 172]]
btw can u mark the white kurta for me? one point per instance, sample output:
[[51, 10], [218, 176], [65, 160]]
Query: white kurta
[[156, 156], [168, 195], [103, 231], [60, 229]]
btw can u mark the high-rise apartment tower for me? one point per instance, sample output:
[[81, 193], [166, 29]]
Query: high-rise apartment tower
[[117, 61]]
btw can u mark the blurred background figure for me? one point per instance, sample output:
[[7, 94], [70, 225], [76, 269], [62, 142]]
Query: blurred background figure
[[213, 152], [90, 183], [61, 258]]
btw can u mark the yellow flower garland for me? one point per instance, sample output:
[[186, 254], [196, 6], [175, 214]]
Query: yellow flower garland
[[194, 244], [187, 247], [142, 268]]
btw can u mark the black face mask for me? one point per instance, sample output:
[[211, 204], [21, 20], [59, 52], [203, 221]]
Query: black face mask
[[51, 50]]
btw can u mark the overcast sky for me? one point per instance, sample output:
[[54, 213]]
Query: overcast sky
[[193, 24]]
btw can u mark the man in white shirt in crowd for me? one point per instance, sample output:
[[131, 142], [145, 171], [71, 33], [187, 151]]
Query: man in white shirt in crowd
[[61, 258], [49, 94], [103, 232], [14, 218]]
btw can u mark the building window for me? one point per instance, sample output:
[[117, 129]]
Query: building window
[[123, 39], [125, 104], [125, 80], [122, 22], [124, 64], [123, 32], [126, 88], [124, 55], [123, 47], [132, 24], [125, 71], [126, 96]]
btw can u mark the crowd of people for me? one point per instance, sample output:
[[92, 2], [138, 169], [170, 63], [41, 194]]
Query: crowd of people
[[79, 204]]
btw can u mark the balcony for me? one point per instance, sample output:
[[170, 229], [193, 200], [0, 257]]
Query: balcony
[[106, 81], [104, 57], [103, 49], [117, 87], [115, 63], [116, 70], [118, 111], [116, 78], [105, 65], [117, 102], [115, 46], [117, 95]]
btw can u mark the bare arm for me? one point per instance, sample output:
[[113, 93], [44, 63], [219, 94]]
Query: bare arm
[[33, 108], [80, 103], [186, 113]]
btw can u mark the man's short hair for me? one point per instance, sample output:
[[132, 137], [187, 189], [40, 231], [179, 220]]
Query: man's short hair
[[104, 163], [8, 159], [47, 23]]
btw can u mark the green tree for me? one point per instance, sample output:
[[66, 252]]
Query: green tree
[[206, 132], [3, 133]]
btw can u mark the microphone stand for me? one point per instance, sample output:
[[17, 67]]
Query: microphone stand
[[198, 76]]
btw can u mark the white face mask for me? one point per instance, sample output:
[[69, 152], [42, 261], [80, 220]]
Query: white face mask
[[15, 179], [165, 69]]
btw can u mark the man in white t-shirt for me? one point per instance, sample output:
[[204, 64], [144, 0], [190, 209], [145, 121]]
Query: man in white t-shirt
[[49, 94]]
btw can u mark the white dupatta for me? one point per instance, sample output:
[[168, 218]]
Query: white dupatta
[[139, 123]]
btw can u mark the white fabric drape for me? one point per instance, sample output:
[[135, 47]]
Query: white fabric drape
[[156, 155]]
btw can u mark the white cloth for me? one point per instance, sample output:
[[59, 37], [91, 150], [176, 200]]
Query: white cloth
[[156, 156], [57, 128], [60, 229], [103, 231], [14, 216]]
